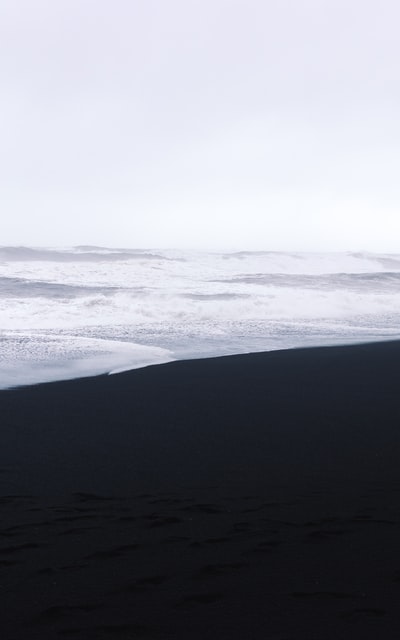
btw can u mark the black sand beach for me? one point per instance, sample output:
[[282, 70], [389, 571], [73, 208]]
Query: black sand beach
[[251, 497]]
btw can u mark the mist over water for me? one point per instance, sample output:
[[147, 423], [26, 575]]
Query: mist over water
[[73, 312]]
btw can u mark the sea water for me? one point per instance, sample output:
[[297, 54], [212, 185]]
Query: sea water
[[74, 312]]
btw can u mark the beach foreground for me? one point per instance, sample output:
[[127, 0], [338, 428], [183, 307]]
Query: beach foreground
[[250, 497]]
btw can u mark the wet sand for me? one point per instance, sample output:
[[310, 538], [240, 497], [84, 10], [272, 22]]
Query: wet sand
[[250, 497]]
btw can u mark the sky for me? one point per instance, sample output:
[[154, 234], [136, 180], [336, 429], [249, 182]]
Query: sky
[[206, 124]]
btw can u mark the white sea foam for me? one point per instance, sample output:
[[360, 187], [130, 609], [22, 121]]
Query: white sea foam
[[28, 358], [67, 313]]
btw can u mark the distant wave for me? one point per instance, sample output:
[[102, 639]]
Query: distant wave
[[20, 287], [247, 254], [23, 288], [387, 261], [370, 282], [23, 254]]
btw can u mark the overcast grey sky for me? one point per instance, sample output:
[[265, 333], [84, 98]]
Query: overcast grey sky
[[260, 124]]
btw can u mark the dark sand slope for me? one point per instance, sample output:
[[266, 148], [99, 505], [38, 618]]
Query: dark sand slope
[[249, 497]]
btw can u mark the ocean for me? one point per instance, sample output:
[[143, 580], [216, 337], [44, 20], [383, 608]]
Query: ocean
[[67, 313]]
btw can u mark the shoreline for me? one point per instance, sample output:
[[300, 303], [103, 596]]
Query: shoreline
[[245, 496], [134, 366]]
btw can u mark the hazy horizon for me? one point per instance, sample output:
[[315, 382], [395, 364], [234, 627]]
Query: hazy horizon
[[222, 125], [60, 248]]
